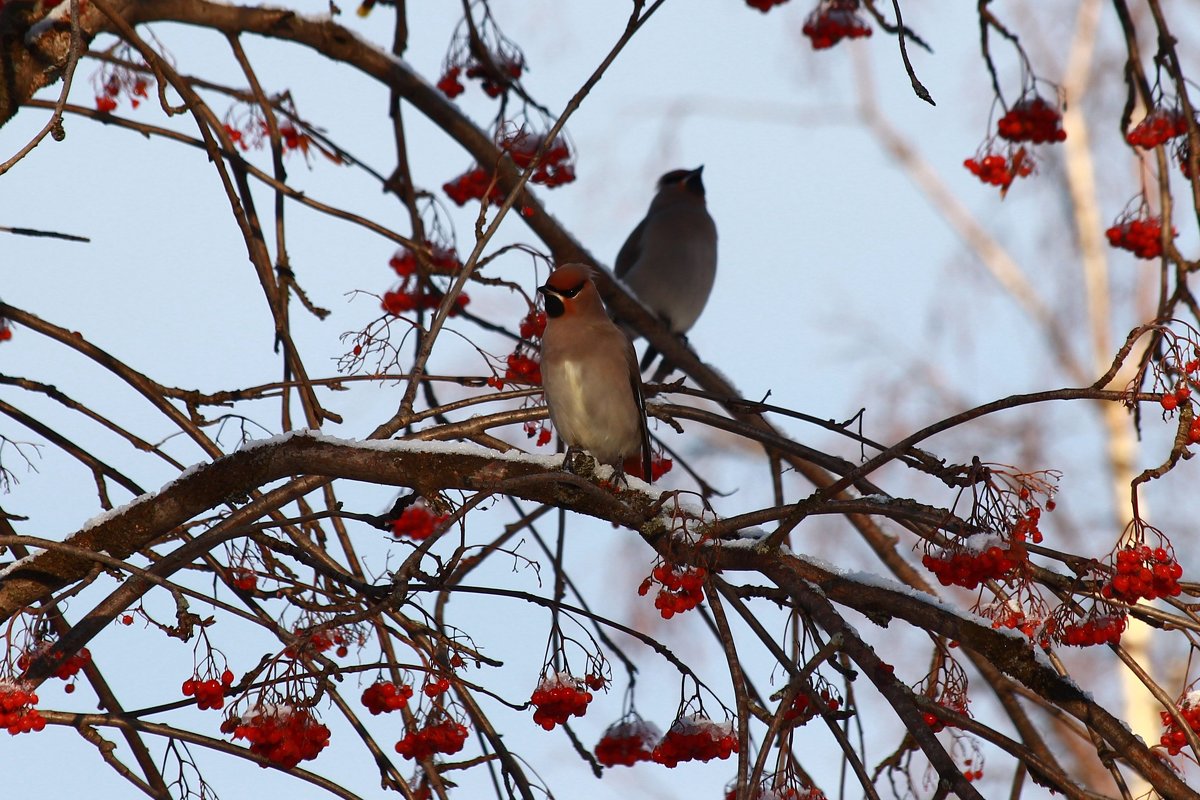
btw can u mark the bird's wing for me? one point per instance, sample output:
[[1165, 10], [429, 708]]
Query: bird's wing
[[630, 251], [635, 383]]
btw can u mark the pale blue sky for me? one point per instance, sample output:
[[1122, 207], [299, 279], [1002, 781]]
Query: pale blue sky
[[835, 276]]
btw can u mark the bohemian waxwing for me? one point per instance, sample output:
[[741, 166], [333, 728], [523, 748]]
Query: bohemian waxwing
[[590, 373], [669, 262]]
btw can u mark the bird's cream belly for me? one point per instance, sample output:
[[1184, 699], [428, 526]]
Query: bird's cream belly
[[608, 429]]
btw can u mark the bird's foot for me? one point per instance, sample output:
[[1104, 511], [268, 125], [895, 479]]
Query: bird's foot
[[578, 462]]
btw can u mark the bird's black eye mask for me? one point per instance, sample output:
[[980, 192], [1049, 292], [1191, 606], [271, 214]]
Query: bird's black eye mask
[[554, 298]]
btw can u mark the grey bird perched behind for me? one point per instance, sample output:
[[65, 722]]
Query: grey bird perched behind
[[669, 262], [590, 373]]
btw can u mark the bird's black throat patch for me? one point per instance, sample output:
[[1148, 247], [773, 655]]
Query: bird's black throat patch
[[554, 305]]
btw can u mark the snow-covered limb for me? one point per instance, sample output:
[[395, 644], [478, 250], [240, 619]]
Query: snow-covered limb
[[427, 466]]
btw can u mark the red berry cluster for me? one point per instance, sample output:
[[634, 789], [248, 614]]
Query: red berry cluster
[[558, 697], [769, 792], [1171, 401], [17, 712], [474, 184], [1011, 616], [834, 20], [934, 722], [71, 666], [240, 139], [418, 523], [627, 742], [113, 84], [1140, 235], [293, 138], [538, 429], [1194, 431], [1183, 154], [510, 68], [659, 466], [5, 330], [999, 170], [442, 260], [804, 709], [251, 131], [557, 166], [413, 293], [449, 84], [383, 697], [1173, 737], [765, 5], [533, 326], [1158, 127], [281, 734], [209, 693], [520, 368], [968, 568], [446, 737], [243, 579], [399, 301], [1026, 526], [67, 668], [318, 642], [1034, 120], [695, 738], [1142, 571], [1105, 629], [523, 365], [682, 588], [436, 686]]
